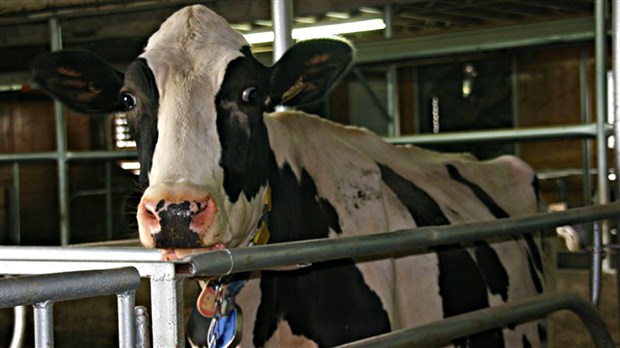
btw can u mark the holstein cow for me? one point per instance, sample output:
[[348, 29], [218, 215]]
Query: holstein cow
[[213, 152]]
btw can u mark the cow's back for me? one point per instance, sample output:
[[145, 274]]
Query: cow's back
[[377, 187]]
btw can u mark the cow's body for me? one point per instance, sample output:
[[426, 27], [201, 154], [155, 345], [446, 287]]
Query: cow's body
[[211, 150]]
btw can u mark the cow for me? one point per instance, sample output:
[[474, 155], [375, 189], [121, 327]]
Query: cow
[[223, 169]]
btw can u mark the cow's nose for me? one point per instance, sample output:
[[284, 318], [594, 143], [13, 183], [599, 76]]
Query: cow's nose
[[175, 224]]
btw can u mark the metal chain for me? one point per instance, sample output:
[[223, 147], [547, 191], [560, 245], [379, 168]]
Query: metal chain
[[214, 326]]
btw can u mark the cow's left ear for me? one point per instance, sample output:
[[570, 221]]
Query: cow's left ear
[[308, 70]]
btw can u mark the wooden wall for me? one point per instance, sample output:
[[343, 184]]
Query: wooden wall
[[27, 126]]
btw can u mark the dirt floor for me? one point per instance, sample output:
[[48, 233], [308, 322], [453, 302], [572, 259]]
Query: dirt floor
[[92, 323]]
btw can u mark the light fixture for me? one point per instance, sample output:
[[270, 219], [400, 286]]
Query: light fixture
[[325, 30]]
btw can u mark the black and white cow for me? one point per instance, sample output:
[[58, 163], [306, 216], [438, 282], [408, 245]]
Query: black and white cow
[[212, 149]]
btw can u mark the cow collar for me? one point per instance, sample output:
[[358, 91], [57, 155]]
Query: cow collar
[[217, 298]]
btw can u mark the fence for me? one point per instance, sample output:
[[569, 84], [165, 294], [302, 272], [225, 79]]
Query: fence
[[167, 278]]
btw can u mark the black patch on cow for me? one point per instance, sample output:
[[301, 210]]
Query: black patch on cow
[[242, 133], [328, 302], [490, 265], [461, 284], [526, 343], [542, 334], [197, 328], [175, 233], [140, 81], [493, 207]]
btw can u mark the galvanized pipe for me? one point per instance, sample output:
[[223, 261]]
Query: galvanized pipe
[[69, 156], [282, 18], [143, 333], [382, 244], [584, 102], [117, 254], [441, 333], [19, 327], [601, 145], [44, 324], [616, 113], [14, 206], [30, 290], [126, 302], [61, 146], [523, 134], [391, 77]]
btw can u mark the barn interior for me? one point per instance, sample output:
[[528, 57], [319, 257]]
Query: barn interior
[[521, 77]]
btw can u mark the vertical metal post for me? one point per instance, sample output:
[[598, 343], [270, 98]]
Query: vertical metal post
[[143, 334], [126, 319], [15, 203], [601, 146], [615, 22], [391, 77], [108, 200], [44, 325], [19, 327], [282, 17], [167, 311], [61, 145], [514, 82], [584, 97]]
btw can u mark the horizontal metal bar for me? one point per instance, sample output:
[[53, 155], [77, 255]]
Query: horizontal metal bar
[[522, 134], [28, 290], [100, 254], [441, 333], [527, 35], [382, 244], [69, 156]]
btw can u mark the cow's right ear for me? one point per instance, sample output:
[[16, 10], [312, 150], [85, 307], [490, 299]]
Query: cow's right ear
[[81, 80]]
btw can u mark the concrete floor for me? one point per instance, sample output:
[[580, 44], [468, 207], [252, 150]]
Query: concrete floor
[[92, 322]]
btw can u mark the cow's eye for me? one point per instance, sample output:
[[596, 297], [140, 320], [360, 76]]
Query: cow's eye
[[129, 101], [250, 95]]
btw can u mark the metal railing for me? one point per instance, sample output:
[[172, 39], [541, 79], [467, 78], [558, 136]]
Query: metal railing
[[167, 278], [42, 291], [442, 332]]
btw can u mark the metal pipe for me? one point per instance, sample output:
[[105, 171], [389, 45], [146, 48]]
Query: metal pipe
[[282, 17], [117, 254], [14, 205], [584, 97], [127, 319], [441, 333], [382, 244], [108, 200], [524, 134], [601, 144], [616, 113], [29, 290], [44, 324], [19, 327], [61, 146], [70, 156], [143, 333], [391, 78], [167, 321]]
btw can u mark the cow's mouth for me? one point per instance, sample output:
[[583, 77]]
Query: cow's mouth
[[173, 254]]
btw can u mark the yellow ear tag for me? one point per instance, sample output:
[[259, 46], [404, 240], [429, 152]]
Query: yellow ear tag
[[262, 237]]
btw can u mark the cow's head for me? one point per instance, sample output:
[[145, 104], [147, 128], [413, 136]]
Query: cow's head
[[195, 100]]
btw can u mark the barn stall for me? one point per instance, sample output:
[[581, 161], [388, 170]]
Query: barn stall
[[496, 69]]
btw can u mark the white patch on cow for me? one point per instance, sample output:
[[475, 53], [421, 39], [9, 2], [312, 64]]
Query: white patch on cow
[[189, 55], [284, 337], [249, 300]]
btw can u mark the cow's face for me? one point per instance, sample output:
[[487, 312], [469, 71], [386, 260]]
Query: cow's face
[[195, 100]]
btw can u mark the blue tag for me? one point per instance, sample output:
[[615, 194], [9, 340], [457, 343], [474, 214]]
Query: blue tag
[[227, 327]]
